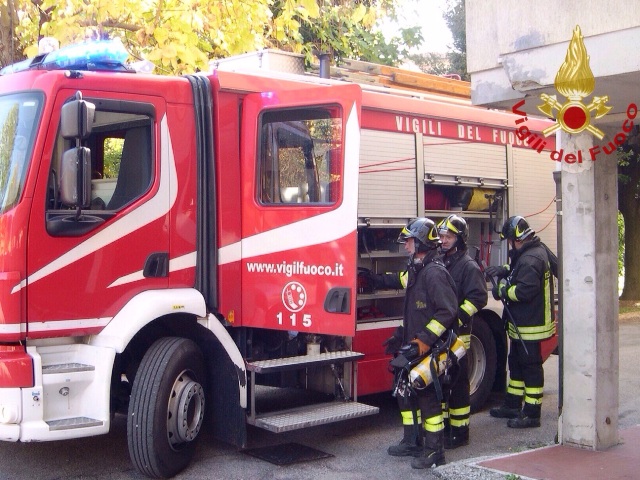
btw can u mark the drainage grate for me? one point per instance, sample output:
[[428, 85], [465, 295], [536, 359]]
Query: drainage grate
[[287, 453]]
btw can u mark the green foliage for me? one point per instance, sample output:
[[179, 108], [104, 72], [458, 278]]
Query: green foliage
[[112, 155], [7, 139], [181, 36], [620, 244], [454, 61], [346, 31], [456, 21], [629, 206], [433, 63]]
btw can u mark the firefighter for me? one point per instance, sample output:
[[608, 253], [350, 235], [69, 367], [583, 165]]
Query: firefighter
[[524, 288], [430, 313], [472, 297]]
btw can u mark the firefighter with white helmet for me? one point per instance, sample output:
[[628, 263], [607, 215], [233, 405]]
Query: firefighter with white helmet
[[430, 313], [472, 297], [525, 289]]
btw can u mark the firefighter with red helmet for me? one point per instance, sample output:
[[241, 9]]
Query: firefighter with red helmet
[[472, 297], [524, 287], [430, 313]]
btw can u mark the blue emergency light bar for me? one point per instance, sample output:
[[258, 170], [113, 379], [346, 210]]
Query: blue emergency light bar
[[100, 55]]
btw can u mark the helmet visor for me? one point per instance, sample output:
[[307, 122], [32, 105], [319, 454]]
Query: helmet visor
[[405, 235]]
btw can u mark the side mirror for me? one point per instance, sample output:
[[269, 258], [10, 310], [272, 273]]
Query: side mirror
[[77, 119], [75, 178]]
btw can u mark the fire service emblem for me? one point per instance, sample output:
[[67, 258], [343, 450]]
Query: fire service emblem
[[575, 81]]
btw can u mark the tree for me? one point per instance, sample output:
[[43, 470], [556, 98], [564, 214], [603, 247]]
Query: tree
[[629, 206], [433, 63], [10, 47], [454, 61], [456, 21], [181, 36]]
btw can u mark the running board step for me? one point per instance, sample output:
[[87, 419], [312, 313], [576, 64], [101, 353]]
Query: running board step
[[66, 368], [302, 361], [312, 415], [77, 422]]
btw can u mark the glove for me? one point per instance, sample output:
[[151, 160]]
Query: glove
[[463, 317], [500, 290], [394, 342], [500, 271], [423, 348]]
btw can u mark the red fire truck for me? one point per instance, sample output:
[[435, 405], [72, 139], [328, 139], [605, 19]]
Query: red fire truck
[[173, 247]]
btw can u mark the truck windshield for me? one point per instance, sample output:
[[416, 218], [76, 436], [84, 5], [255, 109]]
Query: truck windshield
[[19, 115]]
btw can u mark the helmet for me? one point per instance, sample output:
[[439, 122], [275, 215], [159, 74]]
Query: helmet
[[456, 225], [516, 228], [424, 231]]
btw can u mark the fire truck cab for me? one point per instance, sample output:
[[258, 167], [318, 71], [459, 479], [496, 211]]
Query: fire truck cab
[[169, 246]]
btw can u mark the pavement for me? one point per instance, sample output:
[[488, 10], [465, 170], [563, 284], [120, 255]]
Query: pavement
[[557, 462], [539, 457], [357, 448]]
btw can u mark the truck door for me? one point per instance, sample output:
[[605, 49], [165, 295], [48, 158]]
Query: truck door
[[299, 167], [83, 266]]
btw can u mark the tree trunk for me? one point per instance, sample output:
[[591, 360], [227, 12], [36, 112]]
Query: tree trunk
[[629, 206], [8, 20]]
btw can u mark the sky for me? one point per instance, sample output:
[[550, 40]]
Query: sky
[[428, 15]]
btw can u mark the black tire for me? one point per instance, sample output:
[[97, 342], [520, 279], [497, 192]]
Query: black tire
[[167, 407], [482, 360]]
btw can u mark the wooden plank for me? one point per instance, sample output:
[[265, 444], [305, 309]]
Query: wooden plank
[[368, 73]]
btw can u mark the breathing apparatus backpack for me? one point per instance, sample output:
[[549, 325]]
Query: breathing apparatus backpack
[[416, 372]]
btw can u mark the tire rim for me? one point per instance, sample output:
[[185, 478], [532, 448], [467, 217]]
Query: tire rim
[[186, 410], [477, 359]]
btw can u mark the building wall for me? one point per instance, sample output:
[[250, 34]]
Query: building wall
[[515, 48], [517, 25]]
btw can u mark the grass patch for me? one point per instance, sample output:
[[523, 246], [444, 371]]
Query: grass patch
[[627, 306]]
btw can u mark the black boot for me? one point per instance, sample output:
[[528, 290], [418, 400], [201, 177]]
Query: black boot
[[523, 421], [504, 411], [528, 418], [410, 445], [509, 409], [456, 437], [433, 452]]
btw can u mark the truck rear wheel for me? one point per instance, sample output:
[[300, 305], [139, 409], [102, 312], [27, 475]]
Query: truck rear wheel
[[167, 407], [482, 360]]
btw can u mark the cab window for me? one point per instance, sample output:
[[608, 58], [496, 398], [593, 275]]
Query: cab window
[[300, 156], [121, 146]]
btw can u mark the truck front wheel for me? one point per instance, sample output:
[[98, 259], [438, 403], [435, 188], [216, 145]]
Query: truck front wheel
[[482, 360], [167, 407]]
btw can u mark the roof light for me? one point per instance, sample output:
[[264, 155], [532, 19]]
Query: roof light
[[48, 45], [100, 55]]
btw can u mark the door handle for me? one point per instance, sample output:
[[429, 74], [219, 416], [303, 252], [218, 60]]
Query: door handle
[[338, 300]]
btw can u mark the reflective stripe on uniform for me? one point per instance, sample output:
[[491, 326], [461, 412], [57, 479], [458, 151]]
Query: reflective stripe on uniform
[[434, 424], [533, 333], [436, 327], [459, 417], [407, 417], [404, 278], [538, 332], [469, 307], [515, 387], [533, 395]]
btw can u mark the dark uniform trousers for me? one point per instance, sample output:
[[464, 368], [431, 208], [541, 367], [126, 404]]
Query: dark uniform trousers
[[526, 378]]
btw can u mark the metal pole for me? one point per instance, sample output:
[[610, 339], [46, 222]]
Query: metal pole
[[557, 177]]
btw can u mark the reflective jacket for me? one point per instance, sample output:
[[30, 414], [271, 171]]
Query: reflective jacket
[[470, 283], [431, 304], [528, 293]]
